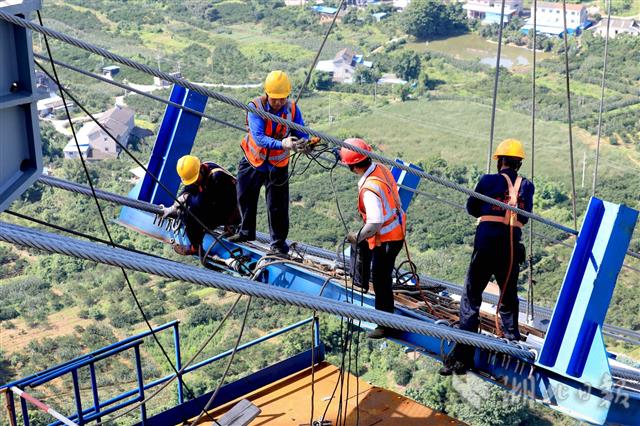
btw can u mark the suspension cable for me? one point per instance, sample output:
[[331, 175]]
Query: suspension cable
[[530, 303], [315, 60], [495, 89], [249, 108], [139, 92], [146, 170], [102, 217], [602, 87], [567, 83]]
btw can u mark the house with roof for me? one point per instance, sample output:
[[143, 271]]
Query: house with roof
[[551, 21], [343, 65], [95, 143], [489, 11], [616, 27]]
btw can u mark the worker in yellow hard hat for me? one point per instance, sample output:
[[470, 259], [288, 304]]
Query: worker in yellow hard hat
[[497, 251], [267, 147], [209, 195]]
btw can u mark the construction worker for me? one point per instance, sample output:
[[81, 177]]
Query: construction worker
[[376, 245], [497, 251], [209, 195], [267, 147]]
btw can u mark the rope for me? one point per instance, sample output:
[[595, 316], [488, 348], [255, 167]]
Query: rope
[[169, 269], [139, 92], [495, 89], [567, 78], [530, 303], [146, 170], [249, 108], [102, 217], [602, 86], [315, 60]]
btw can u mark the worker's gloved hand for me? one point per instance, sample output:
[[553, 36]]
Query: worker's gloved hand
[[352, 237], [169, 212], [290, 143]]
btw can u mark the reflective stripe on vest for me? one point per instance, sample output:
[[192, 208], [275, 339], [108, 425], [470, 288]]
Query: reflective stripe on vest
[[255, 154], [510, 217], [381, 183]]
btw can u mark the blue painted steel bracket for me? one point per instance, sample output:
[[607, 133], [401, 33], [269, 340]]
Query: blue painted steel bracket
[[405, 179], [20, 150], [574, 345], [175, 139]]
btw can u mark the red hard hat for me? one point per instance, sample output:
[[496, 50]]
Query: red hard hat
[[351, 157]]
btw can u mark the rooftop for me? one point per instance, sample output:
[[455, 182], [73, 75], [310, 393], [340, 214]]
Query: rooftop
[[551, 5]]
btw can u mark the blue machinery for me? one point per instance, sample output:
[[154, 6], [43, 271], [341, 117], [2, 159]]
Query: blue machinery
[[571, 373]]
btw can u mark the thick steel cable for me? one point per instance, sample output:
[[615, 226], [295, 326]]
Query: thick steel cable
[[207, 406], [184, 367], [102, 217], [146, 170], [52, 243], [169, 269], [530, 303], [250, 108], [565, 37], [495, 89], [601, 109], [315, 59], [140, 92]]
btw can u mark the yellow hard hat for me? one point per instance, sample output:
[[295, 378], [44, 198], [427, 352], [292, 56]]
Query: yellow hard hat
[[277, 85], [509, 148], [188, 168]]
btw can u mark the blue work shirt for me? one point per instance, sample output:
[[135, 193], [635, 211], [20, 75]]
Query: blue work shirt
[[257, 127], [496, 187]]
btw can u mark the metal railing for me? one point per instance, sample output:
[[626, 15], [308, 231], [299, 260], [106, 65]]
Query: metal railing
[[99, 408]]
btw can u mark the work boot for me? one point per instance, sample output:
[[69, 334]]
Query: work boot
[[185, 250], [238, 238], [377, 333], [453, 367], [277, 252]]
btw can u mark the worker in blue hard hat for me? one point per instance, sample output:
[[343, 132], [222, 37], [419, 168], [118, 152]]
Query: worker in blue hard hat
[[209, 195], [497, 251]]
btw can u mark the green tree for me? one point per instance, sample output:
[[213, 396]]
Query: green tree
[[407, 65], [424, 19], [321, 80], [365, 75]]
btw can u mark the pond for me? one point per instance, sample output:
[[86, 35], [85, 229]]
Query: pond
[[472, 46]]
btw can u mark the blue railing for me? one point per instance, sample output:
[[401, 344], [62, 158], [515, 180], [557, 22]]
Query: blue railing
[[133, 396]]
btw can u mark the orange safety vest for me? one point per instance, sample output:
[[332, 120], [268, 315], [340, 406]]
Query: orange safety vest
[[510, 217], [255, 154], [381, 183]]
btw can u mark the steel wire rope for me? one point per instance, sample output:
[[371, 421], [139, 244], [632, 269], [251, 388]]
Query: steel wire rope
[[601, 108], [565, 38], [495, 88], [116, 257], [231, 101], [140, 92], [226, 371], [101, 214], [184, 367], [315, 59], [530, 301], [76, 233], [146, 170]]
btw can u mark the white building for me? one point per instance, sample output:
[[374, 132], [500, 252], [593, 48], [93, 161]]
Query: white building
[[551, 22], [52, 104], [343, 66], [488, 11], [95, 143], [618, 26]]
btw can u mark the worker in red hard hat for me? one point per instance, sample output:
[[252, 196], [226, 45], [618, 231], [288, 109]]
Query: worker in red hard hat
[[497, 251], [376, 245]]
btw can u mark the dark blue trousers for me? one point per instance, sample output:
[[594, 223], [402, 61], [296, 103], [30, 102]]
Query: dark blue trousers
[[212, 215], [276, 184], [490, 258]]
